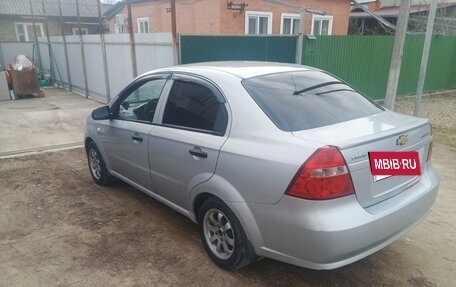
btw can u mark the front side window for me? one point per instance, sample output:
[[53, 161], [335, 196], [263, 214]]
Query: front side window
[[322, 25], [290, 24], [258, 23], [196, 106], [297, 101], [143, 25], [141, 103]]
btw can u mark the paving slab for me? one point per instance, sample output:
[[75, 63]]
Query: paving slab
[[33, 124]]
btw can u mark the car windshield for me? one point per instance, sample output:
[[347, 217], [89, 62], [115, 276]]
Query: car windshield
[[308, 99]]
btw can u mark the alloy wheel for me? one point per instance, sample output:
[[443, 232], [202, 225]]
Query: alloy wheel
[[218, 233], [95, 165]]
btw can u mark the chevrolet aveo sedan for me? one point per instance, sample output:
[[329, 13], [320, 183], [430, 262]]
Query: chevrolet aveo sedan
[[270, 160]]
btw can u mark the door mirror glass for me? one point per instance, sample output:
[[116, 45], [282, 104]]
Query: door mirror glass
[[101, 113]]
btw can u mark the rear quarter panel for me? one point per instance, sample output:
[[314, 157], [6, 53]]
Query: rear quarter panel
[[258, 160]]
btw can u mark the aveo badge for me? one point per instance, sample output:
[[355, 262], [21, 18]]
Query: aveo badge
[[395, 163]]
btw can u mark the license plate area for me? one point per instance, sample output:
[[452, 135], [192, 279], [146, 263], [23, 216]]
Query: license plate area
[[385, 164], [381, 177]]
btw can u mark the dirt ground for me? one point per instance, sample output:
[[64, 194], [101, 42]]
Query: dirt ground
[[57, 228]]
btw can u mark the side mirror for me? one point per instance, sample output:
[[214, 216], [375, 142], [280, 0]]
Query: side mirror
[[101, 113]]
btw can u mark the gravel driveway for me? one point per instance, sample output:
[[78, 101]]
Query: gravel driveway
[[440, 109]]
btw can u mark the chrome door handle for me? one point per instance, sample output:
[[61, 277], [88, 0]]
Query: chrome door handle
[[197, 152]]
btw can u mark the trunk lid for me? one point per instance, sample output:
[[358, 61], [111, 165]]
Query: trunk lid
[[379, 132]]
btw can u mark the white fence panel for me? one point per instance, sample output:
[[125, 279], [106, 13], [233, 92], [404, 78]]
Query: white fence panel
[[60, 68], [44, 56], [94, 67], [57, 53], [119, 61], [11, 50], [153, 51], [75, 63]]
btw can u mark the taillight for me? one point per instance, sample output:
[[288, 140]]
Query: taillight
[[429, 154], [323, 176]]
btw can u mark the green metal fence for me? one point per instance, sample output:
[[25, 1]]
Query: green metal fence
[[363, 61], [195, 48]]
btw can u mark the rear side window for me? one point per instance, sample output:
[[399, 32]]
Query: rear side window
[[308, 99], [194, 105]]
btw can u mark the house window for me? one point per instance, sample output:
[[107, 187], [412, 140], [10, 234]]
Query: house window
[[143, 25], [24, 31], [322, 25], [289, 24], [258, 22], [119, 29], [84, 31]]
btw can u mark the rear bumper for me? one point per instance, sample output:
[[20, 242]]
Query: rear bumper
[[334, 233]]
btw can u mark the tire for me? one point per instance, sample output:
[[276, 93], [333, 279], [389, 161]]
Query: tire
[[97, 166], [222, 235]]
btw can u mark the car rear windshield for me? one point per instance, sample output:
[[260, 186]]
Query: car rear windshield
[[303, 100]]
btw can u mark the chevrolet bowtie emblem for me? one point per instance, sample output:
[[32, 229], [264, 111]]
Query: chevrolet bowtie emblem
[[402, 140]]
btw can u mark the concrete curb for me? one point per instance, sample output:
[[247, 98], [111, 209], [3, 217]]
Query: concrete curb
[[53, 148]]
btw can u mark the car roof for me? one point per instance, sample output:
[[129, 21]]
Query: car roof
[[242, 69]]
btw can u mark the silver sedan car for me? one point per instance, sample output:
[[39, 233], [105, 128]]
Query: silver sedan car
[[270, 160]]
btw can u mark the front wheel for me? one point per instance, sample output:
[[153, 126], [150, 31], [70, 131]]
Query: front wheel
[[97, 166], [222, 235]]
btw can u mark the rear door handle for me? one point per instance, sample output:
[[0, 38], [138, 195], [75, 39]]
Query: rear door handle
[[137, 139], [196, 151]]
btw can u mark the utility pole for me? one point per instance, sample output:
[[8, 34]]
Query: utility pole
[[302, 23], [132, 41], [425, 57], [81, 41], [65, 48], [174, 31], [396, 58], [46, 27], [35, 35], [103, 51]]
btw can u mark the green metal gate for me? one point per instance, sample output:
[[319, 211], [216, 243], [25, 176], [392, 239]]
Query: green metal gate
[[196, 48]]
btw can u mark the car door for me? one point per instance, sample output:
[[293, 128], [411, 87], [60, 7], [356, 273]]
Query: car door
[[184, 146], [126, 137]]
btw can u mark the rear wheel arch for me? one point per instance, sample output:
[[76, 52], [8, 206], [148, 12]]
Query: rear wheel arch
[[199, 201], [221, 189], [234, 256], [215, 186]]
